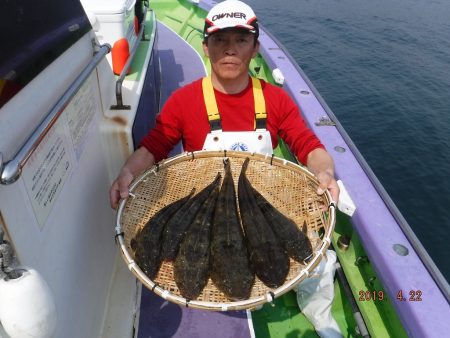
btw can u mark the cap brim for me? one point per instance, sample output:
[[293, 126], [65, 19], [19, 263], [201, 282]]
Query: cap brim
[[213, 29]]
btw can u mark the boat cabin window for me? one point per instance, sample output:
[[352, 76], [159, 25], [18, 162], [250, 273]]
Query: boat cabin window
[[32, 35]]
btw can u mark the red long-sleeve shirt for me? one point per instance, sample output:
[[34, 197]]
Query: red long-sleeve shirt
[[184, 117]]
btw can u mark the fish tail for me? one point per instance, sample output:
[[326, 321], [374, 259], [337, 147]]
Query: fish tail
[[245, 165]]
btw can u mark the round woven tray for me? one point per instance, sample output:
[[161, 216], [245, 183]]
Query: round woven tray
[[287, 186]]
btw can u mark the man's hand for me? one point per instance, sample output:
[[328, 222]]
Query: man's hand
[[327, 181], [140, 160], [321, 164], [119, 188]]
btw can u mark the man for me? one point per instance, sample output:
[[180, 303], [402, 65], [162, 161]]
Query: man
[[229, 106]]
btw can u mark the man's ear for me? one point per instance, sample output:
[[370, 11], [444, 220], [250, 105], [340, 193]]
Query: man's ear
[[256, 50], [205, 48]]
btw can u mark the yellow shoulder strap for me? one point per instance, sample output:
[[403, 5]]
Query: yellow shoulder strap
[[213, 111], [260, 104], [211, 105]]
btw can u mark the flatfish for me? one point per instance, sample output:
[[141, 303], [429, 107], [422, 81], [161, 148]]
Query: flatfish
[[192, 263], [267, 256], [294, 241], [176, 227], [147, 242], [230, 266]]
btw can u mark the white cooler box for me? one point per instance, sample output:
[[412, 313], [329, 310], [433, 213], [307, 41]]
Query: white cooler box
[[112, 20]]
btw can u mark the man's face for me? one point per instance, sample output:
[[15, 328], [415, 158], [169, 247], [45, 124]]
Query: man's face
[[230, 52]]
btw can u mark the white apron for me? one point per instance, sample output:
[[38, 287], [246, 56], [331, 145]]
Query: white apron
[[258, 141]]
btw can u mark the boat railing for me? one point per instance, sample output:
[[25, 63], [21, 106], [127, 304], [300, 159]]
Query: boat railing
[[11, 171], [140, 37]]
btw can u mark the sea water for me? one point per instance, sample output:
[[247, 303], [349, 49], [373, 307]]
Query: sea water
[[383, 67]]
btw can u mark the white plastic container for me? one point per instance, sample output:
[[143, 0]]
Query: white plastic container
[[112, 20]]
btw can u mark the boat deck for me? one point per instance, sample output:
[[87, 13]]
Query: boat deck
[[160, 318]]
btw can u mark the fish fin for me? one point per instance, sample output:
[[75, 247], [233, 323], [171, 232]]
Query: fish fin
[[305, 227]]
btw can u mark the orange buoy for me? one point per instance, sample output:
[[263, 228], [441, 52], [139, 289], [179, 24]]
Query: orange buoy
[[119, 54]]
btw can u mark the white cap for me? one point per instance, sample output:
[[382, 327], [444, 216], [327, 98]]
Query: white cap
[[228, 14]]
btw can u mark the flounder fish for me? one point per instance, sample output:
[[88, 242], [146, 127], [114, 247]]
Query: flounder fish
[[268, 258], [294, 241], [147, 242], [192, 263], [177, 226], [230, 266]]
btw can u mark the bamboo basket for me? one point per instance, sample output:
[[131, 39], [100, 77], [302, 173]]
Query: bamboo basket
[[287, 186]]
